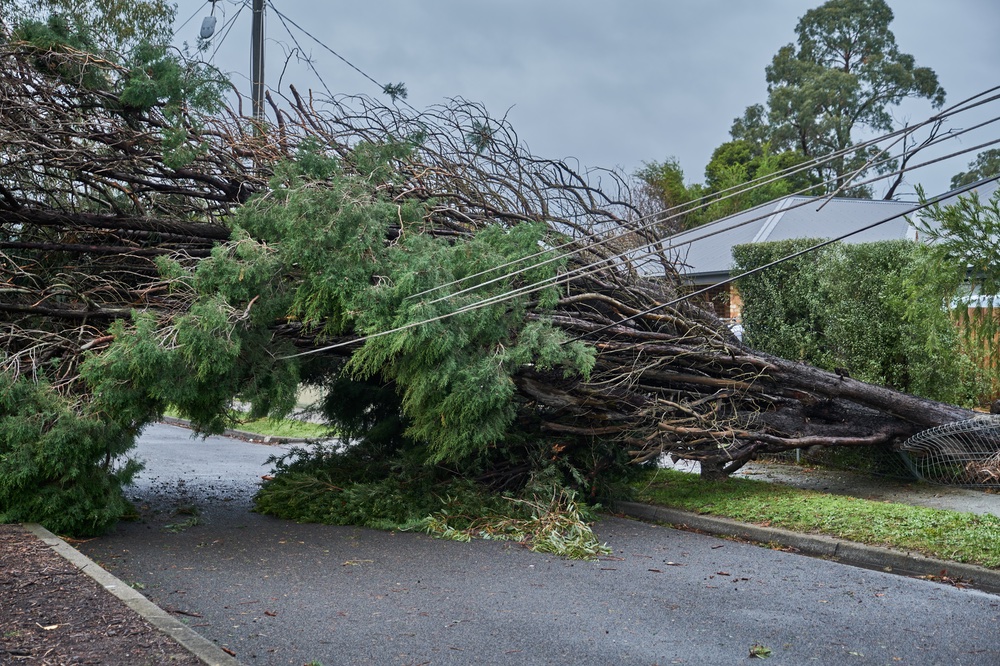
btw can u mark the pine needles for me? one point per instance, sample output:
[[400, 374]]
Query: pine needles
[[556, 525]]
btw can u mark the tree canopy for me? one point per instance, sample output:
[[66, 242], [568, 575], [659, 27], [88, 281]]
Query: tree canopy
[[826, 92], [111, 25], [986, 164], [839, 79]]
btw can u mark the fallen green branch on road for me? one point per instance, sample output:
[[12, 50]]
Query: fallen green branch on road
[[558, 525], [335, 486], [948, 535]]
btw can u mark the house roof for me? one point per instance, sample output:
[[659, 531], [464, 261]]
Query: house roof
[[704, 254]]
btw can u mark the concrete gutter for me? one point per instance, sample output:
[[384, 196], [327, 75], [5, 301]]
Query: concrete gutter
[[202, 648], [846, 552]]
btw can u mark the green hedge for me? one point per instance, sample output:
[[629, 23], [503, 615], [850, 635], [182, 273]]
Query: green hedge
[[860, 308]]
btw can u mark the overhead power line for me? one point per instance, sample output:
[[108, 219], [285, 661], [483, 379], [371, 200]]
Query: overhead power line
[[384, 87], [308, 60], [656, 247], [597, 265], [226, 29], [649, 222], [918, 207], [190, 18]]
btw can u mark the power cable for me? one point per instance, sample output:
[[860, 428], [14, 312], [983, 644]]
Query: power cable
[[686, 234], [227, 27], [510, 295], [190, 18], [309, 62], [812, 248], [597, 266], [383, 87], [704, 202]]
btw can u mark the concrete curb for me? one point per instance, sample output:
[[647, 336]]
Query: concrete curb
[[195, 643], [846, 552]]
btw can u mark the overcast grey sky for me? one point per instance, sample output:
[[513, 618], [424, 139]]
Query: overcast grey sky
[[610, 84]]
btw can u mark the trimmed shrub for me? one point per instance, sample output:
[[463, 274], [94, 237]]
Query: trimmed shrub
[[857, 308]]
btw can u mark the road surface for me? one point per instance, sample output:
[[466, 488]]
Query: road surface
[[276, 592]]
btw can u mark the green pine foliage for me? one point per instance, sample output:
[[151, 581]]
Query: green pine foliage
[[60, 34], [60, 467], [199, 364], [556, 524], [62, 462], [426, 406], [151, 77], [117, 25], [320, 236], [160, 79], [428, 411], [325, 486], [336, 485]]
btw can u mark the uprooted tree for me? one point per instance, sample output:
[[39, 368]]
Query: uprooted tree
[[468, 307]]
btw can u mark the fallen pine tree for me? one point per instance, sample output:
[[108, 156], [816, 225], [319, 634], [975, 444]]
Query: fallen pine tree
[[464, 306]]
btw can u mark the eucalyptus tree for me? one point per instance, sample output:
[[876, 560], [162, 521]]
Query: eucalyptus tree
[[986, 164], [839, 79]]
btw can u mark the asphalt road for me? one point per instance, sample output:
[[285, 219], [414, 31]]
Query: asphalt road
[[276, 592]]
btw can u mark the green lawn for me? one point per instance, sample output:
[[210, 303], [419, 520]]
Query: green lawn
[[285, 428], [291, 428], [949, 535]]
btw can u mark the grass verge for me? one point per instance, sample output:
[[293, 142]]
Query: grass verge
[[948, 535], [289, 428]]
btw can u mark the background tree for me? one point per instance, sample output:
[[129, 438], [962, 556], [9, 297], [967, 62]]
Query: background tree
[[676, 202], [838, 80], [118, 25], [745, 174], [986, 164], [740, 175]]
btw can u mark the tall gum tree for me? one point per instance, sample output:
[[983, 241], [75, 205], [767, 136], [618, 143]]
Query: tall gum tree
[[840, 78]]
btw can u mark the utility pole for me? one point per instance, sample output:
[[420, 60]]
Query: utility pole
[[257, 60]]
